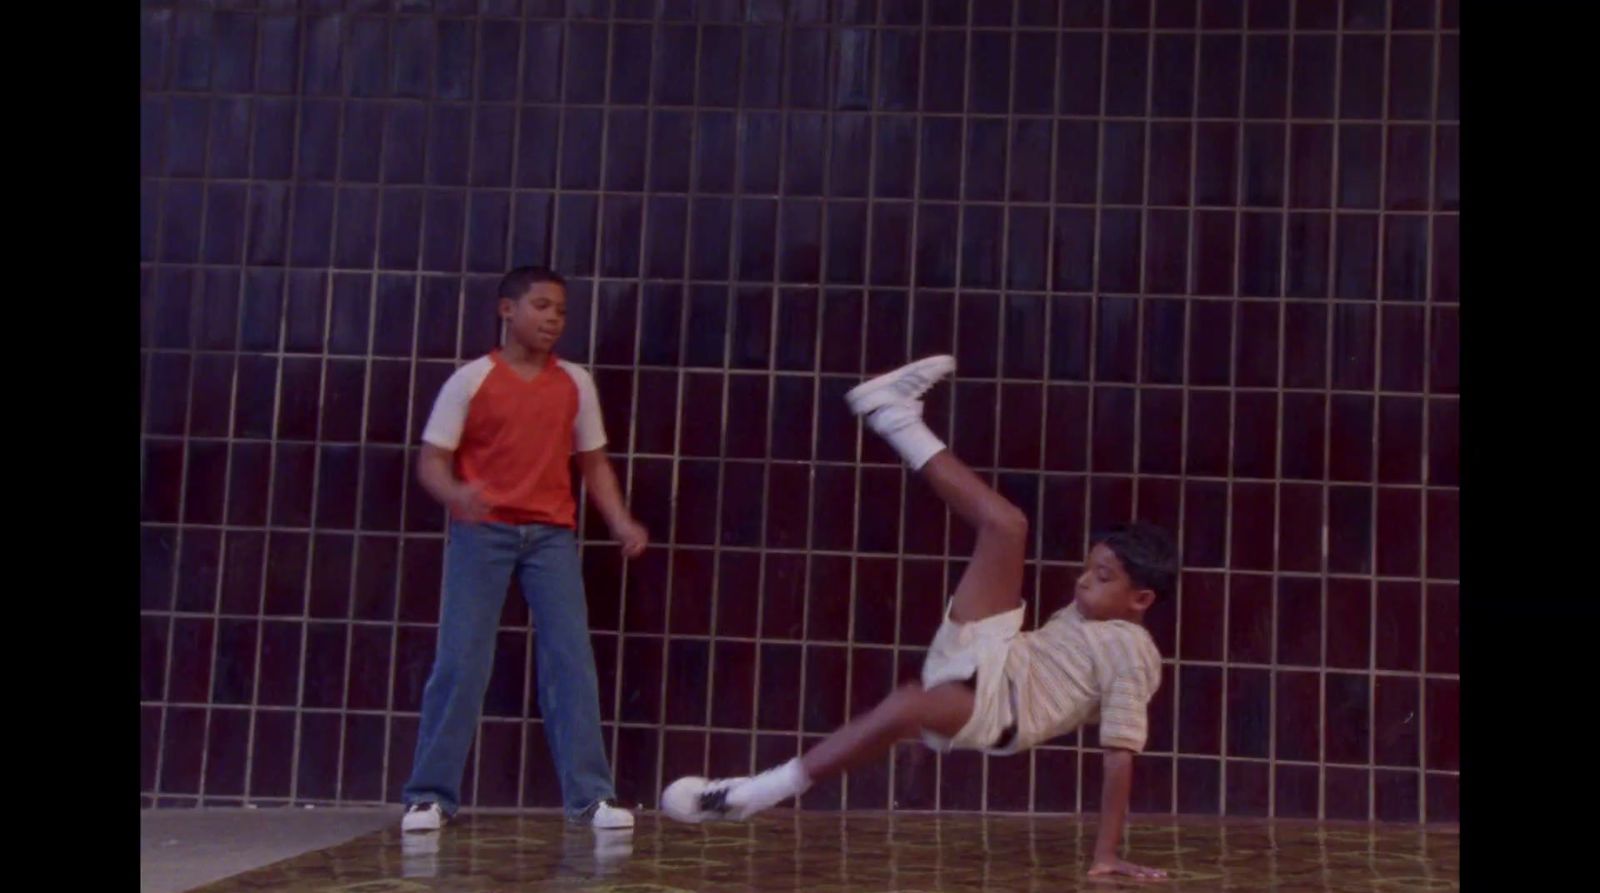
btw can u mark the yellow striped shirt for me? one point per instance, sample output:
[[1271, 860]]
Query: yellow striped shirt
[[1073, 671]]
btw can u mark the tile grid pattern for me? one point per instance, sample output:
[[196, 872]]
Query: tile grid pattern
[[288, 563]]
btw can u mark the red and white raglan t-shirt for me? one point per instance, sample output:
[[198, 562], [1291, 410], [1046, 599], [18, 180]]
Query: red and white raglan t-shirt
[[515, 436]]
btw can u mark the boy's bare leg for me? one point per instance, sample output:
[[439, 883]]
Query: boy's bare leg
[[891, 406], [991, 584], [943, 709], [992, 581]]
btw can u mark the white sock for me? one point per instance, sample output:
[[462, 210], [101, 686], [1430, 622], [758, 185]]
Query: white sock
[[913, 440], [770, 788]]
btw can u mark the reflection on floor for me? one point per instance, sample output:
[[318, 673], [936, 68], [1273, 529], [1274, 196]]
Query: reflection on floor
[[863, 852]]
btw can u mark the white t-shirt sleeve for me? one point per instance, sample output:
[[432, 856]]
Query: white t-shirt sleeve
[[449, 414], [589, 429]]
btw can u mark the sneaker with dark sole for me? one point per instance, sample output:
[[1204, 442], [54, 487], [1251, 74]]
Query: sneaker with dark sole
[[695, 799], [421, 817], [605, 815]]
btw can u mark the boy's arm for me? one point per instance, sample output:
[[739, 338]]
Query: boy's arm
[[436, 467], [436, 473], [1118, 771], [606, 494]]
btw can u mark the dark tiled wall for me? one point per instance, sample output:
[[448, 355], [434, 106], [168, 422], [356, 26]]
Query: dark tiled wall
[[1198, 263]]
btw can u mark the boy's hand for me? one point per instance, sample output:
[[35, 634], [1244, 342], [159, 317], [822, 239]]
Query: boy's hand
[[466, 502], [1108, 867], [1118, 772], [633, 537]]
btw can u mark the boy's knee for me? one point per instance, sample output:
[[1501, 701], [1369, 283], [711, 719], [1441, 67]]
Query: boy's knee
[[905, 705], [905, 697], [463, 665], [1006, 518]]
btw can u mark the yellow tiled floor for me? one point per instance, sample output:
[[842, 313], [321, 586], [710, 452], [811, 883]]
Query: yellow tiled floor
[[862, 853]]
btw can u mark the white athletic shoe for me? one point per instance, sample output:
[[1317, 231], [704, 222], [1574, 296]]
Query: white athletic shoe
[[608, 816], [695, 799], [903, 385], [423, 817]]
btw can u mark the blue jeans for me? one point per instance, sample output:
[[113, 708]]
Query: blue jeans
[[479, 560]]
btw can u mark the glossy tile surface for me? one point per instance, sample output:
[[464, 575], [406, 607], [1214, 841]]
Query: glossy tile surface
[[866, 852]]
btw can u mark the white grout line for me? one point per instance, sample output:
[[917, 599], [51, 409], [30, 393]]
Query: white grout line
[[956, 408], [227, 463], [1138, 373], [770, 291], [529, 695], [670, 540], [361, 451], [1045, 386], [1091, 372], [272, 468], [1330, 323], [1428, 333], [830, 118], [1277, 442]]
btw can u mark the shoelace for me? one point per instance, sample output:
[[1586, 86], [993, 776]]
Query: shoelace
[[913, 384], [715, 798], [917, 382]]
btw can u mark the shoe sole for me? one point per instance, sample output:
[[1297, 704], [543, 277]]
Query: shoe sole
[[409, 828], [861, 398]]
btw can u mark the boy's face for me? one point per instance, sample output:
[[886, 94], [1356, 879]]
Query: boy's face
[[538, 318], [1104, 590]]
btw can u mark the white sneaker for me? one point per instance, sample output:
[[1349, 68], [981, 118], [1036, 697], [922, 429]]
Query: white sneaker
[[610, 817], [423, 817], [903, 385], [695, 799]]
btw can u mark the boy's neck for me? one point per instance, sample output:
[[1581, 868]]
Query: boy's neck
[[1130, 615], [1134, 617], [518, 354]]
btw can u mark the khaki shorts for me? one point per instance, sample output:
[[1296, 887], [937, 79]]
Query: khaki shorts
[[962, 650]]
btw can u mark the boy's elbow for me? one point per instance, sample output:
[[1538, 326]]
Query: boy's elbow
[[431, 460], [1118, 756]]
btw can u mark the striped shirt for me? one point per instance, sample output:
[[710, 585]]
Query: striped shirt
[[1073, 671]]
